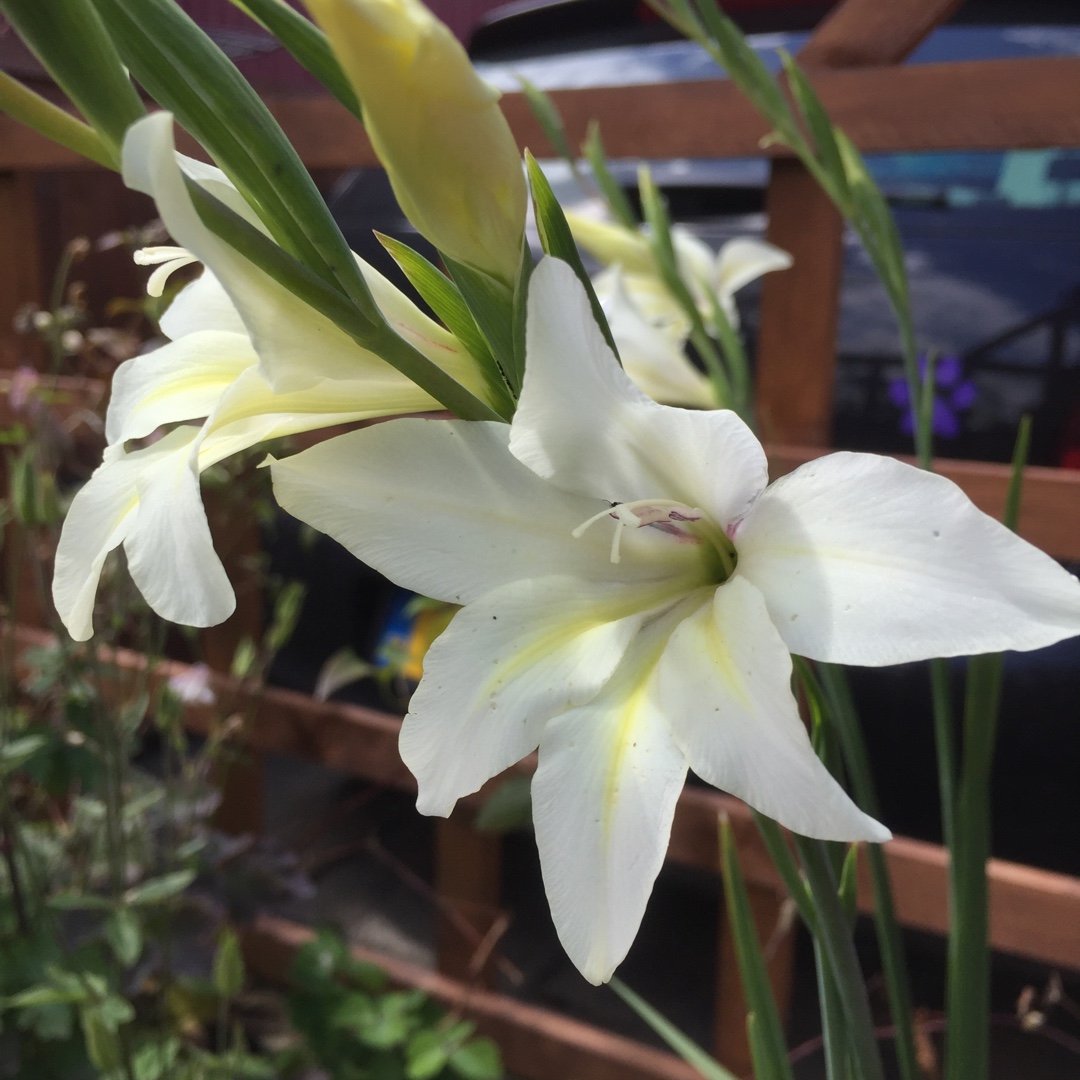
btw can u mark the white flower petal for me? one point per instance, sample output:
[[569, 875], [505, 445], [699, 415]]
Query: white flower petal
[[583, 424], [743, 260], [866, 560], [148, 498], [440, 507], [506, 663], [725, 682], [96, 522], [654, 358], [202, 304], [183, 380], [296, 345], [170, 552], [603, 799]]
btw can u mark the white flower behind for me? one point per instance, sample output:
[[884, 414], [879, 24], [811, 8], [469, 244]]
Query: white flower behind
[[632, 594]]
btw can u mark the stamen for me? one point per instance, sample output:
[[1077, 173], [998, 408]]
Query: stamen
[[640, 513], [167, 260]]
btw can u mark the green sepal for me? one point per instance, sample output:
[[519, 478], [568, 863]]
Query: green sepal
[[40, 114], [521, 310], [491, 303], [557, 240], [445, 300], [320, 295], [69, 38], [307, 44]]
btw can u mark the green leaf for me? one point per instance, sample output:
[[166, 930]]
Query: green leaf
[[68, 37], [445, 300], [558, 241], [102, 1044], [614, 196], [244, 658], [15, 754], [74, 901], [341, 669], [156, 890], [228, 965], [123, 931], [681, 1043], [478, 1059], [317, 961], [54, 123], [426, 1055], [306, 43], [287, 607]]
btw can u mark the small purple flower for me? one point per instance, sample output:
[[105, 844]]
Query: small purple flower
[[953, 395]]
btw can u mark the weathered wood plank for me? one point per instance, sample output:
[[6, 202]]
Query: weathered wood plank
[[992, 105], [864, 33], [796, 354]]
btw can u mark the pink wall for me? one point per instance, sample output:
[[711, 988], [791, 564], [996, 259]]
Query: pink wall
[[277, 70]]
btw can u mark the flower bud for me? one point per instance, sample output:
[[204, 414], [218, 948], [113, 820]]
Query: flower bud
[[436, 127]]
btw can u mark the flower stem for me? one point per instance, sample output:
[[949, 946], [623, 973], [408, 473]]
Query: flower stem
[[846, 723], [834, 937]]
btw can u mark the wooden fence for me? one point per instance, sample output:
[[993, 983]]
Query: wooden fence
[[853, 60]]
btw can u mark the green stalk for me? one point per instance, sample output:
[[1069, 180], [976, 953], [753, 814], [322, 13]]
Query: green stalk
[[766, 1032], [945, 745], [680, 1042], [833, 1029], [54, 123], [834, 937], [845, 721], [784, 861], [967, 1049]]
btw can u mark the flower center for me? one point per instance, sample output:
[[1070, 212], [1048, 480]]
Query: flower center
[[666, 515]]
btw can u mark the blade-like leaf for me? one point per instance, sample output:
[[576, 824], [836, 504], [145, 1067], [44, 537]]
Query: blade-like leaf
[[445, 300], [681, 1043], [557, 239], [307, 44]]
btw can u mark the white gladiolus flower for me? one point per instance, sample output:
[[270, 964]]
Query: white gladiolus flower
[[249, 357], [633, 592]]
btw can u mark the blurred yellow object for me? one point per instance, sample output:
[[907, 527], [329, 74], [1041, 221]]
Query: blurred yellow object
[[436, 126]]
